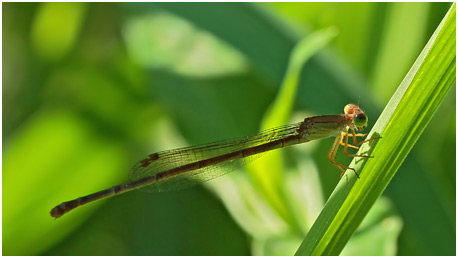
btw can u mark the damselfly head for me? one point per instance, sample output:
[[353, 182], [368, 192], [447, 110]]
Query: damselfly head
[[358, 116]]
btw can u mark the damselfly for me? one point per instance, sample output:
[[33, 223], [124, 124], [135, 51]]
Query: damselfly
[[180, 168]]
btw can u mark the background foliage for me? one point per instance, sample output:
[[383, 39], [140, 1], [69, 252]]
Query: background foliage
[[89, 88]]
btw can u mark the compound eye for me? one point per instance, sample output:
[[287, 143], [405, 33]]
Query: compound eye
[[360, 120]]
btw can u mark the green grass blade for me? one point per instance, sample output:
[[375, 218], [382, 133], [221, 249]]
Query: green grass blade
[[401, 124]]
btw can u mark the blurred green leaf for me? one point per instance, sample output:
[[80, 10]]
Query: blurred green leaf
[[280, 110], [278, 114], [174, 44], [396, 53], [56, 29], [34, 183], [381, 226]]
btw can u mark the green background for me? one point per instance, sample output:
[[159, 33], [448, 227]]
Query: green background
[[90, 88]]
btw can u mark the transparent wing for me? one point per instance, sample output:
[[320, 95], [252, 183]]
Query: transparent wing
[[166, 160]]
